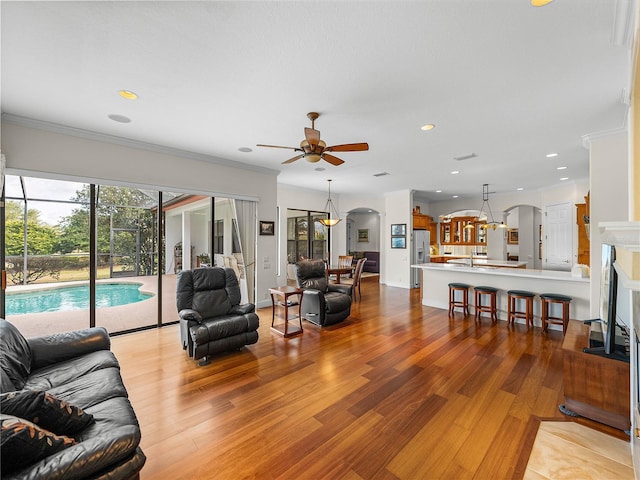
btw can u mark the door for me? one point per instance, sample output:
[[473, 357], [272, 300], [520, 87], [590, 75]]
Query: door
[[558, 239]]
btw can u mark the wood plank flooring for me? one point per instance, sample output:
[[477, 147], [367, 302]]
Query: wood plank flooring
[[398, 391]]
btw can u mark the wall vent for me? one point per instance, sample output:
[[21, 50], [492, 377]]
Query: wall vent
[[465, 157], [381, 174]]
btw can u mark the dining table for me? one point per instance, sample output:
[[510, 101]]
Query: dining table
[[339, 270]]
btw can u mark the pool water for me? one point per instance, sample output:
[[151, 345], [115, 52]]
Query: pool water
[[73, 298]]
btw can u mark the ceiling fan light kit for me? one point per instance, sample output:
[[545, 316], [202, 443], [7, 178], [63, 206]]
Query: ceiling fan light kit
[[313, 149]]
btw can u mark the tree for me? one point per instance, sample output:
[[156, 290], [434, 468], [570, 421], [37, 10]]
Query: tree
[[121, 210]]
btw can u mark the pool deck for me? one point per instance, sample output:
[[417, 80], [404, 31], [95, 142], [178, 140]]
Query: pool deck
[[114, 319]]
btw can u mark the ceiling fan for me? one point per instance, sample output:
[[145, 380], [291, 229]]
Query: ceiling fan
[[313, 149]]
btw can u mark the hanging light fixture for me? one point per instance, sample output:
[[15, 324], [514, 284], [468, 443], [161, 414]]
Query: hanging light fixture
[[331, 209], [485, 201]]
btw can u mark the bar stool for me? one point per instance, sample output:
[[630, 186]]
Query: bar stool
[[464, 303], [549, 299], [491, 307], [512, 310]]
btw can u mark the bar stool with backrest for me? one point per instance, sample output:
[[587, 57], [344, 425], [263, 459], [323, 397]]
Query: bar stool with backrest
[[463, 302], [513, 296], [549, 299], [490, 308]]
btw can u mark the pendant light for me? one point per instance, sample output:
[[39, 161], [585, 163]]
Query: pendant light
[[331, 209], [485, 201]]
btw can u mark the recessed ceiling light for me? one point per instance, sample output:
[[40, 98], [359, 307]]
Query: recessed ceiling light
[[540, 3], [561, 168], [428, 126], [119, 118], [319, 169], [245, 149], [370, 211], [455, 172], [564, 178], [519, 189], [551, 155], [438, 191], [454, 196], [128, 94]]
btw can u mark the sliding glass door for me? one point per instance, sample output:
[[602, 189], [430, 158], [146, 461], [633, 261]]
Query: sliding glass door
[[79, 255]]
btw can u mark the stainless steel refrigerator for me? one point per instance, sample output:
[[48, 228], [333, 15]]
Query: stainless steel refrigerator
[[419, 254]]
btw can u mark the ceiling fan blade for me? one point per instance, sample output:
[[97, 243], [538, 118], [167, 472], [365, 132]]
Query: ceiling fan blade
[[291, 160], [332, 160], [312, 136], [349, 147], [277, 146]]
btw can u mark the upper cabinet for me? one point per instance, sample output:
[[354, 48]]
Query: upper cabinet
[[425, 222], [463, 231]]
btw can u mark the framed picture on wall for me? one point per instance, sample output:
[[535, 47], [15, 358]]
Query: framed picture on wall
[[512, 236], [267, 228], [363, 235], [398, 229], [398, 242]]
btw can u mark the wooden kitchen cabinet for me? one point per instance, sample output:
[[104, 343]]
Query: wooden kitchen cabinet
[[455, 232], [584, 245], [425, 222]]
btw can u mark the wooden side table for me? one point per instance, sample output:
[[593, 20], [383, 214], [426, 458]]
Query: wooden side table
[[281, 296]]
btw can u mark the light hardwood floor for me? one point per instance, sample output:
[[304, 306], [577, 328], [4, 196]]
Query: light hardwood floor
[[398, 391]]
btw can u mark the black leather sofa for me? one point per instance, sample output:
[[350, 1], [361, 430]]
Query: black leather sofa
[[323, 303], [211, 317], [78, 374]]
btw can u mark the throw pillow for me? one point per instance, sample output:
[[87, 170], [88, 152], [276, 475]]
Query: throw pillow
[[24, 443], [46, 411]]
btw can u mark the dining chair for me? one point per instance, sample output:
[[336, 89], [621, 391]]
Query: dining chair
[[356, 277]]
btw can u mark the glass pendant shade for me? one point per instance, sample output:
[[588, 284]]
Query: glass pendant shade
[[334, 218]]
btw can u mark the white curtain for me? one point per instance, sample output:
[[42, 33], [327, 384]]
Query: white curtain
[[246, 215]]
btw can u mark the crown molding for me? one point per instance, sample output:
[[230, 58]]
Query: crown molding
[[125, 142], [590, 137]]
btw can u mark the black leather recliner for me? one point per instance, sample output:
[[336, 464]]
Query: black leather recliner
[[211, 317], [323, 303]]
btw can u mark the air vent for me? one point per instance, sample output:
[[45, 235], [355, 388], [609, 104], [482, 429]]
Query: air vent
[[465, 157], [381, 174]]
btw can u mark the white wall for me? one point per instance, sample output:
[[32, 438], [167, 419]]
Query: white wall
[[609, 197], [396, 262], [68, 154], [366, 221]]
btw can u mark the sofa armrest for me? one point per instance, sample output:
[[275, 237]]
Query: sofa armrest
[[189, 314], [342, 288], [58, 347], [242, 309]]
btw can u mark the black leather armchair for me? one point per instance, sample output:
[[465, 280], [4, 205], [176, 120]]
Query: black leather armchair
[[323, 303], [211, 317]]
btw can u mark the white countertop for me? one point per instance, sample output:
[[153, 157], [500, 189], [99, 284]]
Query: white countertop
[[483, 262], [501, 271]]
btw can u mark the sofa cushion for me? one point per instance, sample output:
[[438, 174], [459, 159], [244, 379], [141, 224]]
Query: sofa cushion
[[52, 376], [91, 389], [15, 354], [24, 443], [46, 411]]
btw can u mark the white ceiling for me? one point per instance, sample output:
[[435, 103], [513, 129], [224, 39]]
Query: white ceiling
[[501, 79]]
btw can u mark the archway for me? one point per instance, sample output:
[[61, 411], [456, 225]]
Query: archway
[[524, 234]]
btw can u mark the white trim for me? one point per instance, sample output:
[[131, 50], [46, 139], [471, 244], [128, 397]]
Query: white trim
[[626, 282], [621, 234], [102, 181]]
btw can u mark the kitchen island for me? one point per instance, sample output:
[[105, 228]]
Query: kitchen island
[[437, 276]]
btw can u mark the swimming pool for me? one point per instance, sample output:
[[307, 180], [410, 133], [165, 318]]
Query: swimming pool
[[73, 298]]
